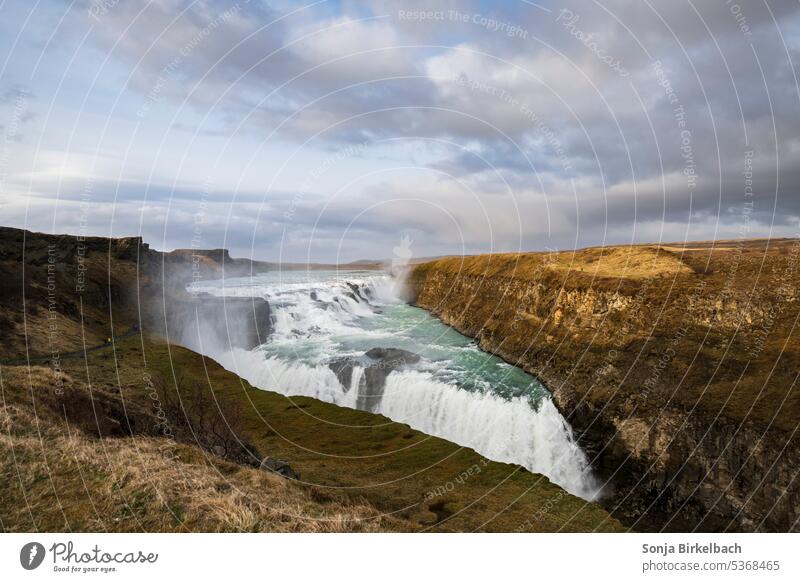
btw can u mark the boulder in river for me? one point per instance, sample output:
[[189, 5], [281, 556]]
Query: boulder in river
[[393, 355], [356, 291], [377, 364], [343, 368]]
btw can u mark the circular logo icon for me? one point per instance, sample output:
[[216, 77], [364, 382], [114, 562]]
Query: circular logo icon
[[31, 555]]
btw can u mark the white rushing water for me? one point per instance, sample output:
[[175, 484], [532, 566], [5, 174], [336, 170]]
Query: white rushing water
[[455, 391]]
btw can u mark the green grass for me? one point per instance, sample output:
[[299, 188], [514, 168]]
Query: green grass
[[365, 456]]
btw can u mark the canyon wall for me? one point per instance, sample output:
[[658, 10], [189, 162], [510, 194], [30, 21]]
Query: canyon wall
[[676, 366], [62, 293]]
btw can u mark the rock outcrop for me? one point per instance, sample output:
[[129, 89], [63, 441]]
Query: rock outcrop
[[676, 367], [279, 467], [377, 364], [75, 287]]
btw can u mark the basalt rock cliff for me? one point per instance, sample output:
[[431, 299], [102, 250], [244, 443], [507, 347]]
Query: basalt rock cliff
[[675, 364], [61, 293]]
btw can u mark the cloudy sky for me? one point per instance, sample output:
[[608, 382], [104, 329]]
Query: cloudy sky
[[333, 129]]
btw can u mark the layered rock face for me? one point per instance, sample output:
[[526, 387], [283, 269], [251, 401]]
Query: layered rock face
[[675, 365], [60, 293], [57, 291]]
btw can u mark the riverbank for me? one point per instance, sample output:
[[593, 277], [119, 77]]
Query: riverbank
[[676, 366]]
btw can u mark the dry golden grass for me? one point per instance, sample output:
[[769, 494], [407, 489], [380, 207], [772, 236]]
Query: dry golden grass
[[358, 465], [686, 249], [626, 262], [630, 262], [48, 333], [54, 477]]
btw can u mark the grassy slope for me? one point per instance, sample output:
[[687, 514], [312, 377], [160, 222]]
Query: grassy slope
[[341, 451], [55, 477]]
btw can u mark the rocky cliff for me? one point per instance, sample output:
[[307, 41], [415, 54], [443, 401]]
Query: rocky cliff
[[676, 365], [61, 293]]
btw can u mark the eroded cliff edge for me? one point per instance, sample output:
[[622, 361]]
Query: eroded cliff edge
[[676, 365]]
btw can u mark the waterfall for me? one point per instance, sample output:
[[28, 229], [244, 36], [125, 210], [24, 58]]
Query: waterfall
[[455, 392]]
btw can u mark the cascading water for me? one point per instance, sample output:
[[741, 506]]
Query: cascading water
[[325, 322]]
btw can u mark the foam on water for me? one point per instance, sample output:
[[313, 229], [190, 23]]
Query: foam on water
[[456, 392]]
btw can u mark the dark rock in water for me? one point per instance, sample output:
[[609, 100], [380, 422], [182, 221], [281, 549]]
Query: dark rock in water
[[357, 291], [382, 362], [313, 295], [352, 296], [279, 467], [393, 355], [377, 363], [343, 368]]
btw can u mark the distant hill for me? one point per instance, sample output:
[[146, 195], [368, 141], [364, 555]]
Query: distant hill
[[214, 261]]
